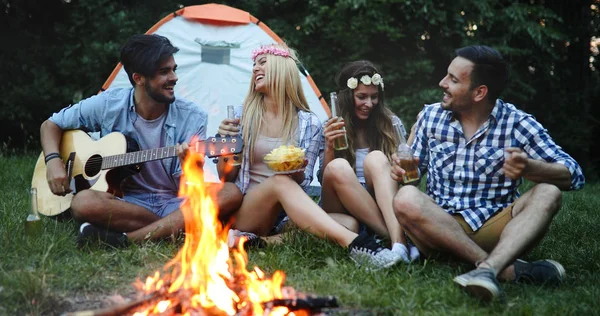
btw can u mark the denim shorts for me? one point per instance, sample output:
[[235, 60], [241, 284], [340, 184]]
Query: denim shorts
[[161, 204]]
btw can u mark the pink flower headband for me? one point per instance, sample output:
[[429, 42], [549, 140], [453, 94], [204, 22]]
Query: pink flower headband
[[270, 50]]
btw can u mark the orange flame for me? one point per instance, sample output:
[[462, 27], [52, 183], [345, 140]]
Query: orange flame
[[202, 275]]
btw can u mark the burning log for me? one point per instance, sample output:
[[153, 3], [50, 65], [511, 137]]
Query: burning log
[[309, 304], [304, 302], [119, 309]]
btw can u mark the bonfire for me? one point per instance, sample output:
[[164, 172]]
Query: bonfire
[[206, 277]]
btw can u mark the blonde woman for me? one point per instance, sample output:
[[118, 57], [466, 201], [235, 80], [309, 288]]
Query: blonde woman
[[357, 180], [276, 112]]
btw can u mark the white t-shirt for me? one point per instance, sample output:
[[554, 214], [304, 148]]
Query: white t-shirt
[[361, 153]]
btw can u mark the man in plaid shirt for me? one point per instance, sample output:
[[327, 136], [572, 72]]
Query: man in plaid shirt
[[476, 149]]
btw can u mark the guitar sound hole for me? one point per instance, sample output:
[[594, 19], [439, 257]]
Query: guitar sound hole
[[93, 166]]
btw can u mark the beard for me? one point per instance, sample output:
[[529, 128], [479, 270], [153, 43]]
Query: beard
[[155, 95]]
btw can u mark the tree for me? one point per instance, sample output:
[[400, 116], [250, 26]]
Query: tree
[[61, 51]]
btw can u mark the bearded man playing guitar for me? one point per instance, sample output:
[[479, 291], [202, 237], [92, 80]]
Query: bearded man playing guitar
[[150, 114]]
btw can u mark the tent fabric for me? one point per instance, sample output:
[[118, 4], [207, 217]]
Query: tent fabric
[[212, 86]]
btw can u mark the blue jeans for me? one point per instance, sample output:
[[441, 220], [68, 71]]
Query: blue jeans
[[160, 204]]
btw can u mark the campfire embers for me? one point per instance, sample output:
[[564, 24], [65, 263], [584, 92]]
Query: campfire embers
[[206, 278]]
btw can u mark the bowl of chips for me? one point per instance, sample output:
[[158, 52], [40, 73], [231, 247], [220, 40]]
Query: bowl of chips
[[285, 159]]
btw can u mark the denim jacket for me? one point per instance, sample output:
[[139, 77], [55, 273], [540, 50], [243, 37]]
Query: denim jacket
[[114, 111]]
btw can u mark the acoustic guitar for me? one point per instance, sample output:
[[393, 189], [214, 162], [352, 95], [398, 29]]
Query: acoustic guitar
[[103, 164]]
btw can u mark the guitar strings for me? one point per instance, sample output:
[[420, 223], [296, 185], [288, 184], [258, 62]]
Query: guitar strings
[[95, 162]]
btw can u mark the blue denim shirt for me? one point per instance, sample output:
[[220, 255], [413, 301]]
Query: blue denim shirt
[[114, 111]]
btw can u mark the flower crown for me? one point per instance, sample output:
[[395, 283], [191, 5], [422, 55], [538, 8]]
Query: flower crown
[[269, 50], [376, 79]]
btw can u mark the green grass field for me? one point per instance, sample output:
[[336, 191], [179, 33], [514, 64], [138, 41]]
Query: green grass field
[[48, 275]]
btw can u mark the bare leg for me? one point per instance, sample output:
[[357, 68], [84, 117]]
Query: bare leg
[[532, 214], [343, 219], [228, 199], [341, 191], [347, 221], [262, 204], [377, 173], [104, 210], [432, 228]]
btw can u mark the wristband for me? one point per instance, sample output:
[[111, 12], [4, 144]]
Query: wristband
[[51, 156]]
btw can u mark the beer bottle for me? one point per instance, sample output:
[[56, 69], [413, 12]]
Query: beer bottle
[[33, 223], [339, 143]]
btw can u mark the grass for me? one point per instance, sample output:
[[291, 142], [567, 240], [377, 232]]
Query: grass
[[48, 275]]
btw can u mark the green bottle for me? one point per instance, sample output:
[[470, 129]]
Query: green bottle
[[33, 224]]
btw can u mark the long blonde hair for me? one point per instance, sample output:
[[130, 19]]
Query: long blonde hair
[[285, 88], [379, 131]]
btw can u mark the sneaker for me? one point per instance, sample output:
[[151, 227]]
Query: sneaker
[[280, 226], [89, 234], [539, 272], [401, 251], [480, 283], [414, 253], [365, 251], [253, 241]]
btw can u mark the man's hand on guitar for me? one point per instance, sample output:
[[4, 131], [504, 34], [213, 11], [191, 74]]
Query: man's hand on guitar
[[57, 177], [182, 151]]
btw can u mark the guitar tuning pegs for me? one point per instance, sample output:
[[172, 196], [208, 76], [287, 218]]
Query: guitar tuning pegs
[[235, 157], [215, 160]]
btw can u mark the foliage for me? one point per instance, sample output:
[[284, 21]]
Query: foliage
[[73, 45]]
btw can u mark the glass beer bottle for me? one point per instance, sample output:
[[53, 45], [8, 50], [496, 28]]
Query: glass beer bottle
[[339, 143], [236, 159], [407, 160], [33, 223]]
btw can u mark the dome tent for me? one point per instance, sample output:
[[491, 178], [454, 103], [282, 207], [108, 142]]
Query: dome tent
[[214, 64]]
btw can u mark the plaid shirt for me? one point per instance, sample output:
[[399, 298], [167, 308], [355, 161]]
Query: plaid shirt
[[309, 129], [466, 176]]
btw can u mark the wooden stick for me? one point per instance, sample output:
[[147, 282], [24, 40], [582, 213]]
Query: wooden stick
[[120, 309]]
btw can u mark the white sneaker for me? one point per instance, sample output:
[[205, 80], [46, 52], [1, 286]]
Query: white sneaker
[[365, 251], [401, 251]]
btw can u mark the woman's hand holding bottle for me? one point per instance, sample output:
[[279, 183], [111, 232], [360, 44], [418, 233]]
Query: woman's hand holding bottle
[[333, 130]]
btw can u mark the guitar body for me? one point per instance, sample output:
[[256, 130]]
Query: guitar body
[[102, 165], [84, 156]]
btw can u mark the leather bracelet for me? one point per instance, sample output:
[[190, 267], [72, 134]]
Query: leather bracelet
[[51, 156]]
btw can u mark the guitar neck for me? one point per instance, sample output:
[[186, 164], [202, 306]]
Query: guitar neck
[[138, 157]]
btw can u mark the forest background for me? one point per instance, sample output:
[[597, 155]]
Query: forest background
[[56, 52]]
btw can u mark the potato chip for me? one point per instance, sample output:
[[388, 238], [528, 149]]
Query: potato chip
[[285, 158]]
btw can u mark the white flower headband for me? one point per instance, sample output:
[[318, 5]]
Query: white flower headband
[[376, 79]]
